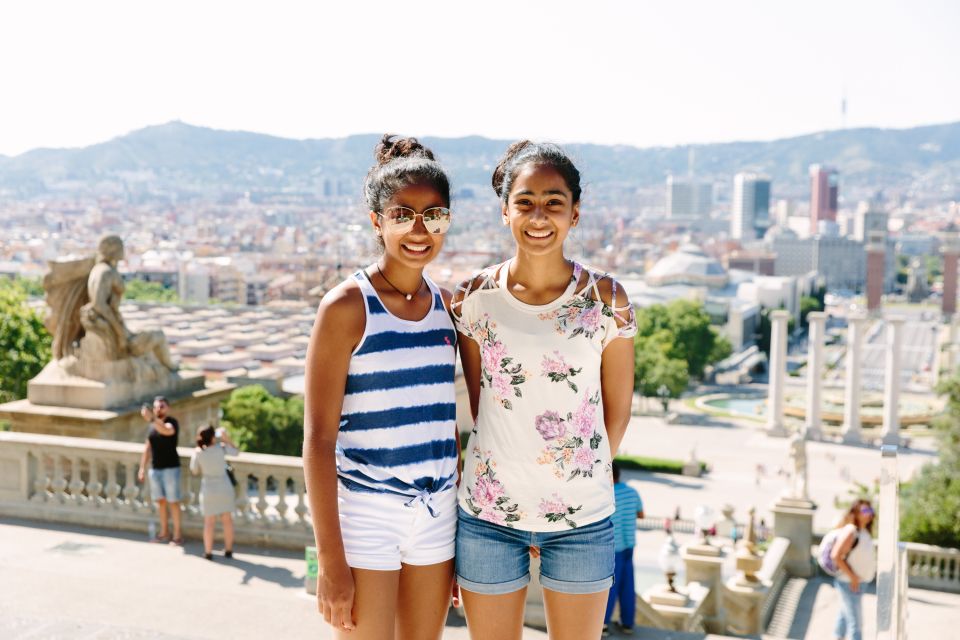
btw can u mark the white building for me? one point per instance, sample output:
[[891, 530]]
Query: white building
[[750, 209], [688, 199]]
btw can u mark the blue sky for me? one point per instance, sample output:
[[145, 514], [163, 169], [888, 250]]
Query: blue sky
[[632, 72]]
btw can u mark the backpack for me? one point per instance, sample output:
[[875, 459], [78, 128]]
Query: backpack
[[825, 551]]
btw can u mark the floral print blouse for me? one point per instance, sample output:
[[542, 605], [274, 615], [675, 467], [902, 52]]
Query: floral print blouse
[[538, 457]]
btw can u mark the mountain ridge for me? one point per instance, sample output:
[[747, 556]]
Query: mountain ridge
[[190, 159]]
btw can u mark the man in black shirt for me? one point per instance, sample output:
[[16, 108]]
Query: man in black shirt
[[161, 447]]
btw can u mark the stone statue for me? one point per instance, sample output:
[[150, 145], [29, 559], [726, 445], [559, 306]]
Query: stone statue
[[107, 337], [91, 342], [798, 458]]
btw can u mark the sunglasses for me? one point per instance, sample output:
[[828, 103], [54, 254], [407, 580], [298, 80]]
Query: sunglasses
[[402, 219], [867, 511]]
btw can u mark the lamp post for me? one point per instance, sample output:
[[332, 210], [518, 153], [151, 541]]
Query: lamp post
[[664, 393], [670, 561], [705, 519]]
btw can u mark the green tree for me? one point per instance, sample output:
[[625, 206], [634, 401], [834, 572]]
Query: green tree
[[24, 342], [691, 338], [655, 368], [144, 291], [808, 304], [764, 328], [931, 501], [263, 423]]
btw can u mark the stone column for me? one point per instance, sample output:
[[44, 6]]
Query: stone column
[[793, 519], [950, 248], [816, 321], [851, 403], [777, 372], [891, 388]]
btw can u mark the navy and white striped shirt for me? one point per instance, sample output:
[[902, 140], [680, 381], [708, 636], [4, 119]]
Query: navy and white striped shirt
[[399, 407]]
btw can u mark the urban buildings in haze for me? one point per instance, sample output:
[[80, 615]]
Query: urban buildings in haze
[[824, 187], [750, 210], [688, 198]]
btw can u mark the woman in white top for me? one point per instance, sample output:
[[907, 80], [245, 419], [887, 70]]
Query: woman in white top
[[853, 556], [548, 361], [217, 494]]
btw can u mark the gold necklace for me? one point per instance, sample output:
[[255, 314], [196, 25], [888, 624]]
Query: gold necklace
[[408, 296]]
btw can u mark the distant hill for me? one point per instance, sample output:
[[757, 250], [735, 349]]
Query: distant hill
[[177, 158]]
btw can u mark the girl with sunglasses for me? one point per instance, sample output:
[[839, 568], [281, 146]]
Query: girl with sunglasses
[[547, 357], [853, 556], [380, 447]]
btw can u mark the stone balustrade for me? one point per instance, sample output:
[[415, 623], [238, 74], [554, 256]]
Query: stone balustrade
[[92, 482], [774, 575], [930, 567], [749, 607]]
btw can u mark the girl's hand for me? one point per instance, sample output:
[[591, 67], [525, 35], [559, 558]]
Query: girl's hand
[[534, 552], [335, 591], [855, 584], [455, 592]]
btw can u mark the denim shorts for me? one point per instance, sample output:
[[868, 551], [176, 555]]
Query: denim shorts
[[494, 560], [165, 484]]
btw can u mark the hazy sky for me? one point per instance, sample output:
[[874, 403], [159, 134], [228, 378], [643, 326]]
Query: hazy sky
[[632, 71]]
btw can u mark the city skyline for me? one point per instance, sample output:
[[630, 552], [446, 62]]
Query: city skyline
[[613, 75]]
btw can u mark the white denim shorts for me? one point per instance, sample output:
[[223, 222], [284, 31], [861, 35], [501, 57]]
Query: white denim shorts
[[381, 531]]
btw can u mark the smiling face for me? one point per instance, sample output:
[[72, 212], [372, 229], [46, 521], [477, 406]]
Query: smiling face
[[540, 210], [416, 247]]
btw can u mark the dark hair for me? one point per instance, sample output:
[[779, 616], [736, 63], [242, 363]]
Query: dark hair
[[162, 399], [850, 517], [400, 163], [616, 471], [205, 435], [522, 153]]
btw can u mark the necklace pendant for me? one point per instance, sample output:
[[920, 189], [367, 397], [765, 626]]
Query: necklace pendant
[[409, 297]]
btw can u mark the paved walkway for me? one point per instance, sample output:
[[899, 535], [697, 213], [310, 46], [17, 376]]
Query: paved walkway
[[70, 582], [735, 450]]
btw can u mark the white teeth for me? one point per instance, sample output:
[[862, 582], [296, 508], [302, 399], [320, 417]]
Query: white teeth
[[539, 234], [417, 247]]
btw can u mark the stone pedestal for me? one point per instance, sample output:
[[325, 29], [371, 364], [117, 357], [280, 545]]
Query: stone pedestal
[[704, 565], [851, 403], [56, 386], [816, 321], [891, 389], [744, 606], [777, 372], [793, 519], [199, 407], [677, 609]]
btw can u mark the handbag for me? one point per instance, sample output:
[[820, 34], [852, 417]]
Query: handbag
[[230, 476]]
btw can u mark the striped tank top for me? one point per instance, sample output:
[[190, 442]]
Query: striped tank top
[[398, 419]]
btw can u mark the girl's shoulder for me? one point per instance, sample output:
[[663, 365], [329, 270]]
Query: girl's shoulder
[[484, 280]]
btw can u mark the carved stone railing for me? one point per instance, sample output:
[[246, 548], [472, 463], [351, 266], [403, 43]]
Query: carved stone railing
[[774, 575], [930, 567], [92, 482]]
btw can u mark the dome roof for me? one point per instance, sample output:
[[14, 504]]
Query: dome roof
[[688, 265]]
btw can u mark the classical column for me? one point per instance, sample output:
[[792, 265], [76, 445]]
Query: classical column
[[950, 248], [777, 372], [851, 403], [891, 388], [816, 321]]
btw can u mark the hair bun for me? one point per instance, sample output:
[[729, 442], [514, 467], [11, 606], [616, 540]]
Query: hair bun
[[390, 149], [500, 172]]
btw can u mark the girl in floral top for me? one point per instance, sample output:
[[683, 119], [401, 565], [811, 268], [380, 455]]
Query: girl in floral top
[[551, 383]]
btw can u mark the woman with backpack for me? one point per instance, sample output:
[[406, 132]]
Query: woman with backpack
[[852, 555]]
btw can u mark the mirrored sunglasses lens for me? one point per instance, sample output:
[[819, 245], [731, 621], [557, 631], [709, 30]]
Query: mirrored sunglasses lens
[[399, 215], [436, 220]]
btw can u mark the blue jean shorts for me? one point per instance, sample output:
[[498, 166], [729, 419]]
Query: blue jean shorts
[[494, 560], [165, 484]]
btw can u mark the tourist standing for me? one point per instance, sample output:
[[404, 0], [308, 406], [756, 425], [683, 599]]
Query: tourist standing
[[161, 449], [380, 447], [547, 355], [629, 507], [217, 495], [853, 556]]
